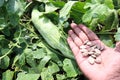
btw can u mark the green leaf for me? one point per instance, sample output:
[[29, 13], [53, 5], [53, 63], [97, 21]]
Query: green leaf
[[107, 40], [8, 75], [1, 2], [16, 6], [117, 35], [22, 59], [95, 11], [109, 3], [14, 19], [3, 43], [59, 4], [43, 62], [47, 32], [27, 76], [55, 57], [6, 31], [4, 62], [47, 29], [29, 57], [4, 51], [60, 77], [70, 68], [46, 75], [77, 12], [53, 68], [64, 12], [45, 1], [111, 21], [16, 58], [100, 12], [49, 7], [116, 4], [39, 53], [3, 23]]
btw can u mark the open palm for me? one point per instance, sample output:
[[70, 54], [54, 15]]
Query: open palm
[[108, 69]]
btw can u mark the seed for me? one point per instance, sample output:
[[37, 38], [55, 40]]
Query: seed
[[90, 53], [94, 46], [83, 50], [86, 41], [91, 49], [85, 54], [91, 60], [83, 47], [89, 43], [97, 51], [98, 60], [94, 56]]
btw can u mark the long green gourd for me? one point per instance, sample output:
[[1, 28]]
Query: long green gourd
[[50, 33]]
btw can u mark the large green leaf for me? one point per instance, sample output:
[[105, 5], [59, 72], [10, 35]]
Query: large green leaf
[[50, 32], [70, 68], [26, 76], [7, 75]]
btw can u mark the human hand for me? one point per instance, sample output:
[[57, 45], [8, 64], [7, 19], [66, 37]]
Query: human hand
[[108, 69]]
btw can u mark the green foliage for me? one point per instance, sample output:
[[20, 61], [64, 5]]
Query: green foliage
[[102, 12], [33, 36]]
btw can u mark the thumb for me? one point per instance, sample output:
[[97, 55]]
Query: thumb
[[117, 48]]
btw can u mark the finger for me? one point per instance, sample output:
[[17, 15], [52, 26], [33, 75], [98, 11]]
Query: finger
[[75, 38], [117, 48], [73, 46], [79, 32], [91, 35]]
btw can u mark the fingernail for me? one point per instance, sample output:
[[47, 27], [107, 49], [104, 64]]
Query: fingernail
[[73, 25]]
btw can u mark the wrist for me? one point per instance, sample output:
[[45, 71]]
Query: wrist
[[110, 77], [116, 77]]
